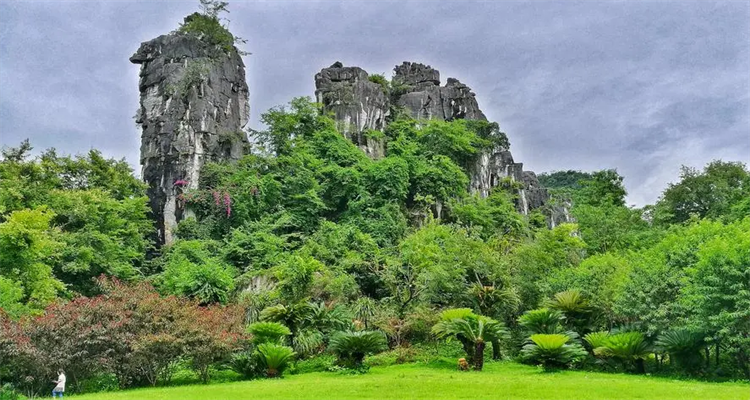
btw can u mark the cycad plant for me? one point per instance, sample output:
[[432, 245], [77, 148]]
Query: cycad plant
[[597, 341], [542, 320], [472, 329], [628, 347], [459, 313], [268, 332], [275, 358], [683, 346], [352, 347], [552, 350], [577, 311]]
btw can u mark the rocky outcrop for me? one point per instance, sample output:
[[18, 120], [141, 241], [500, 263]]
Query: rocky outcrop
[[359, 106], [193, 107], [417, 88]]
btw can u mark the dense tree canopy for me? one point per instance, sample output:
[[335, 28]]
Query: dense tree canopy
[[308, 232]]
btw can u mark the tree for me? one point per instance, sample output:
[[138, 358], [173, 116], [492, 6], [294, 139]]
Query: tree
[[28, 247], [604, 188], [192, 268], [718, 291], [711, 193]]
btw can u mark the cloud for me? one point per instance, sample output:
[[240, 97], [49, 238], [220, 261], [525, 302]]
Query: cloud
[[639, 86]]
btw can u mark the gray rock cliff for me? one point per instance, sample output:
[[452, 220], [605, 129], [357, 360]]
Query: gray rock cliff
[[418, 89], [193, 107], [359, 105]]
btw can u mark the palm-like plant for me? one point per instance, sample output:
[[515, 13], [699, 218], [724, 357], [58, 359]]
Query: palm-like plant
[[327, 319], [457, 313], [552, 350], [268, 332], [364, 310], [542, 321], [575, 307], [352, 347], [309, 342], [292, 316], [683, 346], [597, 340], [475, 329], [627, 347], [275, 358]]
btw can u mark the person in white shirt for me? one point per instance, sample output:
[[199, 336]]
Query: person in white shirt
[[60, 388]]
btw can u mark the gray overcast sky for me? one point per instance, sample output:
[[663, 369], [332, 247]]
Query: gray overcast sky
[[639, 86]]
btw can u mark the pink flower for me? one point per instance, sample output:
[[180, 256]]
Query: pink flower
[[228, 203]]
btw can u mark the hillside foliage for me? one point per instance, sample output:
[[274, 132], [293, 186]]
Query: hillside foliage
[[307, 242]]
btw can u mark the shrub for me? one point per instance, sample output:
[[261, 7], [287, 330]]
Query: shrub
[[577, 311], [683, 346], [7, 392], [352, 347], [382, 81], [628, 347], [130, 331], [319, 363], [542, 321], [597, 340], [211, 339], [275, 358], [268, 332], [247, 364], [473, 331], [552, 350]]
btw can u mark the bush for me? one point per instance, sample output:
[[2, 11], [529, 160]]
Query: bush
[[130, 331], [382, 81], [247, 364], [275, 358], [352, 347], [319, 363], [542, 321], [628, 347], [8, 392], [683, 347], [268, 332], [552, 350]]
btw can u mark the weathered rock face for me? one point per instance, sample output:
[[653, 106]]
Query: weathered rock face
[[359, 106], [193, 107], [418, 89]]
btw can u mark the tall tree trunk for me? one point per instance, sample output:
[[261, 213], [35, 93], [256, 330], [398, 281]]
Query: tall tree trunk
[[495, 349], [479, 356]]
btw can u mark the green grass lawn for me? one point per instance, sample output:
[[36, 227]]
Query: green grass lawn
[[419, 381]]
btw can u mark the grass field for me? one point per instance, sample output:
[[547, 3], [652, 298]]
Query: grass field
[[419, 381]]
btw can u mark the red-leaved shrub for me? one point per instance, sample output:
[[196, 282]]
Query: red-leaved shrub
[[130, 331]]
